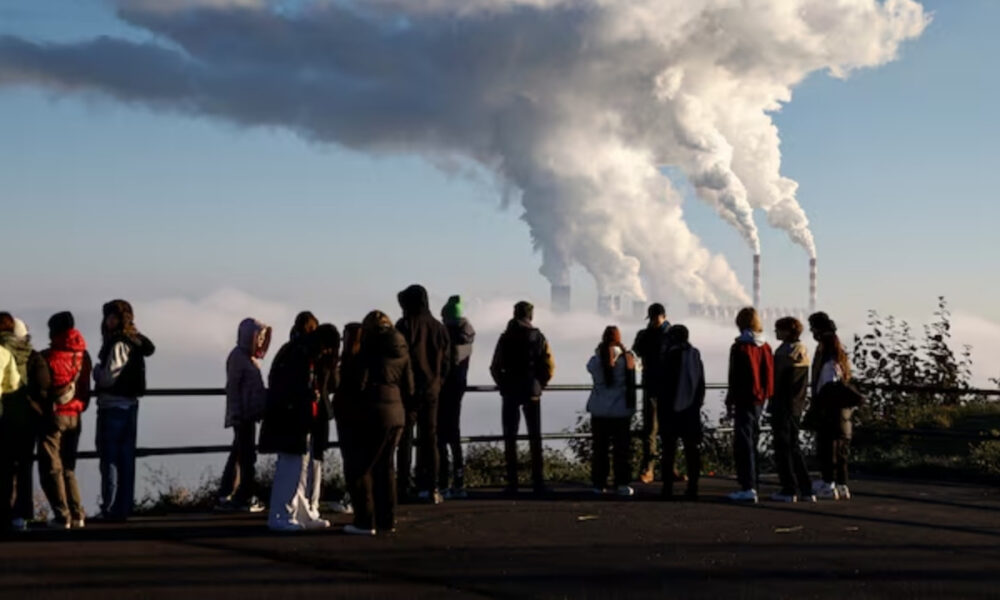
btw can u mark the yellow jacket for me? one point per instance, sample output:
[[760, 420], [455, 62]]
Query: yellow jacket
[[10, 378]]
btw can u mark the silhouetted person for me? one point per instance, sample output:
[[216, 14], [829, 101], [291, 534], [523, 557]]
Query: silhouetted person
[[611, 412], [387, 378], [349, 412], [791, 383], [19, 425], [294, 395], [681, 400], [70, 368], [751, 383], [120, 377], [427, 340], [649, 346], [246, 399], [462, 335], [522, 366], [833, 435]]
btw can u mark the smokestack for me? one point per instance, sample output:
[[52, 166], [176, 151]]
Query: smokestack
[[756, 281], [812, 285], [560, 298], [604, 305]]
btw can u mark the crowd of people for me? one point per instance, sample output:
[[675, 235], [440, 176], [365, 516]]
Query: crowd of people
[[395, 390]]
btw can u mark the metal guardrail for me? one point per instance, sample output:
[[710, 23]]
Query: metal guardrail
[[221, 449]]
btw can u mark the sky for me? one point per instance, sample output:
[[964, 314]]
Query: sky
[[200, 222]]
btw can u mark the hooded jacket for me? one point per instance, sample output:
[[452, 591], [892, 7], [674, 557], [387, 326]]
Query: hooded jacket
[[608, 398], [69, 364], [121, 373], [246, 397], [522, 361], [650, 347], [684, 377], [427, 340], [293, 396], [31, 396], [791, 380], [387, 377], [751, 371]]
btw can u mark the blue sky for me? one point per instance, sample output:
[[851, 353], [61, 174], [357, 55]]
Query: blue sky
[[103, 199]]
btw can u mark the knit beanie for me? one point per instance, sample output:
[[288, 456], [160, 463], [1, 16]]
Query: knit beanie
[[20, 329], [453, 310]]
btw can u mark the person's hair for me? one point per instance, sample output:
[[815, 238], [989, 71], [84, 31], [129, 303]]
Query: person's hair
[[678, 334], [790, 324], [374, 322], [305, 322], [822, 323], [6, 321], [524, 310], [352, 339], [126, 319], [61, 322], [610, 339], [748, 318], [833, 349]]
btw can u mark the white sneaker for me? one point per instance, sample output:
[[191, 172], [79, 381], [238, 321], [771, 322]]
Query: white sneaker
[[57, 524], [779, 497], [625, 490], [827, 491], [19, 524], [352, 530], [340, 508], [79, 523], [843, 492], [744, 496], [810, 498]]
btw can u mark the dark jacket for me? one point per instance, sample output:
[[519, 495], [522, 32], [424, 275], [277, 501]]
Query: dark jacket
[[791, 380], [427, 340], [292, 397], [751, 372], [348, 401], [388, 376], [130, 381], [649, 346], [32, 397], [522, 362], [684, 377], [461, 336]]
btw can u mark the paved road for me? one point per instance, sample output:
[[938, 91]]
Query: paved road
[[900, 540]]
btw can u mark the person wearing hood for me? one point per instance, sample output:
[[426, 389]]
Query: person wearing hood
[[294, 398], [461, 335], [791, 382], [22, 411], [246, 399], [120, 378], [751, 383], [835, 429], [387, 377], [611, 367], [650, 345], [70, 366], [522, 366], [429, 347], [682, 398]]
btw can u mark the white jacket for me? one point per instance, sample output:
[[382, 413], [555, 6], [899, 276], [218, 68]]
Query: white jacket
[[608, 399]]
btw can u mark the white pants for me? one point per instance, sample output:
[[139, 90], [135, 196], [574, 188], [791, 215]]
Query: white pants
[[289, 506], [314, 484]]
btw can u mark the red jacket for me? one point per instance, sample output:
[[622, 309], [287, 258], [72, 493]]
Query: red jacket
[[751, 374], [68, 359]]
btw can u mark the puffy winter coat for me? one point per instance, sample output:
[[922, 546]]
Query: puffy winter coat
[[246, 397], [70, 366], [292, 400], [522, 362], [388, 376], [609, 398]]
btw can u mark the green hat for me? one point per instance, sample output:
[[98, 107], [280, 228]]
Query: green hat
[[453, 309]]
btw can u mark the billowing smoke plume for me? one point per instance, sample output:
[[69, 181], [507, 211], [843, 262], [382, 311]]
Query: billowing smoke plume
[[577, 105]]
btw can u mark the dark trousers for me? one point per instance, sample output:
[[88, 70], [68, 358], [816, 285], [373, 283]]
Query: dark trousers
[[745, 438], [607, 432], [833, 452], [350, 437], [788, 456], [424, 416], [511, 416], [686, 427], [57, 449], [17, 451], [650, 426], [239, 478], [373, 492], [116, 439], [450, 432]]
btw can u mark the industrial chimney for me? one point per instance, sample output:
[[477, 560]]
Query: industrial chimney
[[812, 285], [560, 298], [756, 281]]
